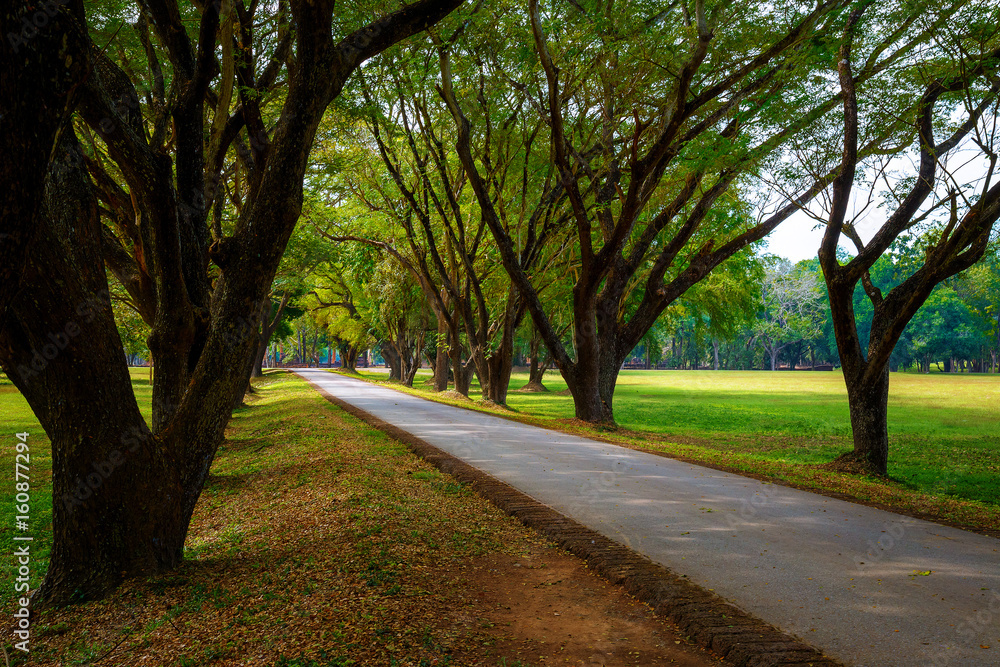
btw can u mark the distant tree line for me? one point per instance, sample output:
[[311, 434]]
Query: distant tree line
[[790, 327]]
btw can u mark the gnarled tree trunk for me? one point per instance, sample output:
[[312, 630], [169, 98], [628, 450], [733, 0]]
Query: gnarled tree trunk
[[123, 493], [61, 348]]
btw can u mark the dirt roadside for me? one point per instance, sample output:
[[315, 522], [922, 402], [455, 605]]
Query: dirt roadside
[[547, 608]]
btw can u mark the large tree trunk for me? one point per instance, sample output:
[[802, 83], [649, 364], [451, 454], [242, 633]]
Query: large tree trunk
[[441, 355], [413, 362], [392, 360], [494, 370], [498, 367], [583, 376], [593, 390], [60, 346], [600, 353], [462, 375], [869, 414], [349, 358], [58, 339]]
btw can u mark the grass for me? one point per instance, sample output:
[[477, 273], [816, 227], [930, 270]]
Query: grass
[[317, 541], [944, 430]]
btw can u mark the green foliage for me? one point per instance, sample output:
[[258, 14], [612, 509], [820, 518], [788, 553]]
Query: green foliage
[[942, 329], [792, 307]]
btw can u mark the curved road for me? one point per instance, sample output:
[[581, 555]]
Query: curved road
[[848, 579]]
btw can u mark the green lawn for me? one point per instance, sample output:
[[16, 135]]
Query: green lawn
[[944, 429]]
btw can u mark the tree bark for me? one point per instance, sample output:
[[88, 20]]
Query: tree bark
[[349, 357], [441, 355], [413, 364], [591, 380], [40, 71], [60, 347], [495, 368], [868, 403], [460, 373], [392, 360], [498, 369]]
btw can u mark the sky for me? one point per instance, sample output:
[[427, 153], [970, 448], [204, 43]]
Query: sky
[[795, 239], [799, 238]]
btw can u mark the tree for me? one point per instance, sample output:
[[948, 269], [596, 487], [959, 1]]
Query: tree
[[447, 241], [791, 309], [399, 316], [340, 292], [957, 223], [124, 491], [660, 119], [942, 330], [979, 288]]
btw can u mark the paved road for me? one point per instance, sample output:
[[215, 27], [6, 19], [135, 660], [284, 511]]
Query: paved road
[[841, 576]]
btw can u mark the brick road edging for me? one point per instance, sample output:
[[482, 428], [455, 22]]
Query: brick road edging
[[739, 638]]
